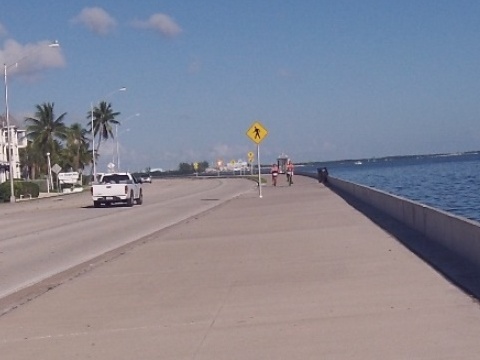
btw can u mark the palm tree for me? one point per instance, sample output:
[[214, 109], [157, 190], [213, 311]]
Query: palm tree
[[103, 121], [76, 154], [46, 132], [30, 160]]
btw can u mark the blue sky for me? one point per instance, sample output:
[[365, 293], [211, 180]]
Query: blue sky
[[329, 80]]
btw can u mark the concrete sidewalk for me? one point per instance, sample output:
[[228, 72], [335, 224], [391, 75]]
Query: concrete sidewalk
[[298, 274]]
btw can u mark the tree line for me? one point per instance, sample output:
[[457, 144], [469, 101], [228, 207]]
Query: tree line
[[69, 146], [186, 168]]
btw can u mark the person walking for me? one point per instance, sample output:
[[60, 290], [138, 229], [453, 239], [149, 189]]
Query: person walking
[[290, 168], [274, 172]]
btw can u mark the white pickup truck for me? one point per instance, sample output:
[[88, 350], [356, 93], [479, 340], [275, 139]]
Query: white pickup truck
[[117, 188]]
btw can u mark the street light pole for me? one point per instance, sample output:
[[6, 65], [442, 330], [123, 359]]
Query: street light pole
[[93, 146], [117, 140], [118, 153], [9, 140], [49, 170], [93, 132], [10, 134]]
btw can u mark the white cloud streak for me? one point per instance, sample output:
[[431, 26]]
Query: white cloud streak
[[194, 67], [227, 152], [29, 59], [161, 23], [284, 73], [96, 20]]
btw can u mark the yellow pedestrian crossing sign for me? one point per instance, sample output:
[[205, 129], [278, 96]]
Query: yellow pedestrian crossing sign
[[257, 132], [250, 155]]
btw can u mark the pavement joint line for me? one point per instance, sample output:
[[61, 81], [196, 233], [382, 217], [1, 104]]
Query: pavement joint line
[[29, 293], [84, 333]]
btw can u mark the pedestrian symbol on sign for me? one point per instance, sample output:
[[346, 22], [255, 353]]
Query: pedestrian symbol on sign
[[257, 132]]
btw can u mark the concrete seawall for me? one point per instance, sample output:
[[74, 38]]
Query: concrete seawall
[[449, 242]]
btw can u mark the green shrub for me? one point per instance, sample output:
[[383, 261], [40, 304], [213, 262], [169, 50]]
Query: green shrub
[[5, 191], [30, 189], [20, 188]]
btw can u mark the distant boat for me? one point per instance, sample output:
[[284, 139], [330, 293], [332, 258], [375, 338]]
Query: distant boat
[[358, 163]]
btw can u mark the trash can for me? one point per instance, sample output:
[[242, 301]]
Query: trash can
[[322, 175]]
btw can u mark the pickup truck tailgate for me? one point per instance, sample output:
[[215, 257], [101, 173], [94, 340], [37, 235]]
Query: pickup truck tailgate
[[109, 190]]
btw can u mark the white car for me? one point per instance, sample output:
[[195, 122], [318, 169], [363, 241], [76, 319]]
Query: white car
[[146, 179]]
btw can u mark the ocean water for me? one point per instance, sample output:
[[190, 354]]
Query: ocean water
[[449, 182]]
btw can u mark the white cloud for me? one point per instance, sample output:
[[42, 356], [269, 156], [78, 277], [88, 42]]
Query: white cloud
[[96, 20], [135, 159], [162, 23], [29, 59], [227, 152]]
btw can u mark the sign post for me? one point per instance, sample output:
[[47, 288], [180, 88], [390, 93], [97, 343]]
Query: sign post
[[257, 132], [56, 169], [250, 155]]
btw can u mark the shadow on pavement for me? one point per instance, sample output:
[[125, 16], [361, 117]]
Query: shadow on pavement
[[453, 267]]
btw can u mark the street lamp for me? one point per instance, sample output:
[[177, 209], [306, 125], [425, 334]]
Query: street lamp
[[7, 118], [50, 179], [93, 132], [118, 153], [117, 142]]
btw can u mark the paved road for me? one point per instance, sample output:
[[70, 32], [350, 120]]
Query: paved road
[[43, 237], [298, 274]]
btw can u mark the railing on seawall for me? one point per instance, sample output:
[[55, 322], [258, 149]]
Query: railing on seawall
[[453, 233]]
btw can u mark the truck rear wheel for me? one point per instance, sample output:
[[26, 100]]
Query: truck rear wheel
[[130, 200], [140, 199], [96, 204]]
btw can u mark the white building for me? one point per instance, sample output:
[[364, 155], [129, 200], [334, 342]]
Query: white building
[[19, 140]]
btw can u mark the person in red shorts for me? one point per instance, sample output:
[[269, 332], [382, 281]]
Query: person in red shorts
[[274, 172]]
